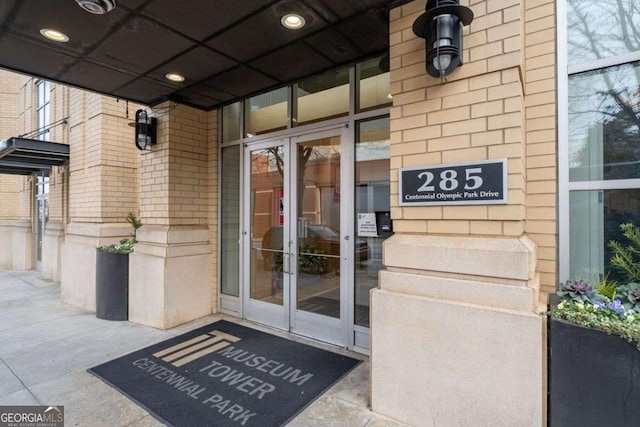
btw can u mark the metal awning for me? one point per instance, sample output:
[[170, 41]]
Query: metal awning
[[21, 156]]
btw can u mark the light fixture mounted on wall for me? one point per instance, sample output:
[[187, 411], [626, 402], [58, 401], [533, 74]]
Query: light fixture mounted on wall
[[145, 130], [441, 26]]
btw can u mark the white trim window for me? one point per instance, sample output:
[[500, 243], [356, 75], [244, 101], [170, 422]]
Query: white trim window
[[43, 110], [599, 131]]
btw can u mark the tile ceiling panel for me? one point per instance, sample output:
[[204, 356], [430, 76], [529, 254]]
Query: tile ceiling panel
[[84, 29], [263, 32], [201, 22], [140, 45], [241, 81], [301, 61], [196, 64], [144, 91], [224, 48], [31, 57], [102, 79], [368, 31], [334, 45], [346, 8]]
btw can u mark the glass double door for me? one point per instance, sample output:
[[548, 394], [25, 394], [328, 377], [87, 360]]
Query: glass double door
[[296, 236]]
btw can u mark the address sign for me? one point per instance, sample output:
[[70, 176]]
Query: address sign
[[483, 182]]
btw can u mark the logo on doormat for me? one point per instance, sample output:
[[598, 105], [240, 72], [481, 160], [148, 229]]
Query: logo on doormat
[[194, 349]]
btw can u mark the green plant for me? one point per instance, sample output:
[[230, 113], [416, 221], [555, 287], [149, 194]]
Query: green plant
[[626, 258], [578, 291], [629, 295], [134, 221], [608, 306], [308, 261], [607, 288], [124, 247], [611, 317]]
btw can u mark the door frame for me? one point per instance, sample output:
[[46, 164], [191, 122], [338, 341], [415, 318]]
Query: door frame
[[335, 331]]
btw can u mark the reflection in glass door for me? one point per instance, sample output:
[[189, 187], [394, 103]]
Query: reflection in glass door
[[317, 255], [267, 230], [294, 237]]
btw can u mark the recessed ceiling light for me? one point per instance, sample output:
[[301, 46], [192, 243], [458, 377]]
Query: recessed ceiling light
[[54, 35], [293, 21], [174, 77]]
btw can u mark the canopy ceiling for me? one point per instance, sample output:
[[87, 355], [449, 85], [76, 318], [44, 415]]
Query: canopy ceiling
[[226, 49]]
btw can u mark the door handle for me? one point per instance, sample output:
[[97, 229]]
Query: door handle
[[285, 264]]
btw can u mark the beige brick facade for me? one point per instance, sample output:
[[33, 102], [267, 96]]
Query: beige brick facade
[[175, 173], [499, 104], [9, 185]]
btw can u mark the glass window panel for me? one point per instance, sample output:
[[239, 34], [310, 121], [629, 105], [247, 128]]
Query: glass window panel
[[602, 28], [322, 97], [266, 112], [374, 90], [230, 221], [595, 221], [604, 124], [267, 219], [318, 225], [231, 122], [372, 189]]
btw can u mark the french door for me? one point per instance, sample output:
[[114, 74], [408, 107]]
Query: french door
[[297, 235]]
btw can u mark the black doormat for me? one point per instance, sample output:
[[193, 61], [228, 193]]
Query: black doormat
[[225, 374]]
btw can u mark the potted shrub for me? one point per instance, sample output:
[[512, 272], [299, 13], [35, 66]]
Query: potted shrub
[[594, 347], [112, 277]]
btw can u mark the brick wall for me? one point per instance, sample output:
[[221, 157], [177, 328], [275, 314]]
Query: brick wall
[[540, 75], [9, 184], [174, 173], [482, 112], [103, 159]]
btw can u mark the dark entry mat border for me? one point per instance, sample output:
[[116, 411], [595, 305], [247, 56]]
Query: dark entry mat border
[[222, 324]]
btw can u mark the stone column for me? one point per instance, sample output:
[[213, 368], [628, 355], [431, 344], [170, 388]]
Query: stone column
[[103, 189], [171, 270], [455, 320]]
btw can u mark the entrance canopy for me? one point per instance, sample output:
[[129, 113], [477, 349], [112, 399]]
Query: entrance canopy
[[20, 156], [225, 49]]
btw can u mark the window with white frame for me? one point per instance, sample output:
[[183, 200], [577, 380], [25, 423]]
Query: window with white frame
[[599, 132], [43, 110]]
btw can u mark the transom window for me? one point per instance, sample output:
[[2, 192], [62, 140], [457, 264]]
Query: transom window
[[43, 110]]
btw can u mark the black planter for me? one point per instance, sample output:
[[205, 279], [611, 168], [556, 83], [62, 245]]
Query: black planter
[[112, 286], [594, 378]]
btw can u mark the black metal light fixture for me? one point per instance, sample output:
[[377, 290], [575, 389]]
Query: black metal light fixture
[[145, 130], [441, 26]]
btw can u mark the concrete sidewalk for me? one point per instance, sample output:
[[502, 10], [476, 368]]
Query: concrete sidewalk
[[46, 347]]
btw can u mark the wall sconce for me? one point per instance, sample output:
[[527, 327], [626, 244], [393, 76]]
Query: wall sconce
[[145, 130], [441, 26]]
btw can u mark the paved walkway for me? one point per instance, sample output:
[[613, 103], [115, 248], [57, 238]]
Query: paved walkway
[[46, 347]]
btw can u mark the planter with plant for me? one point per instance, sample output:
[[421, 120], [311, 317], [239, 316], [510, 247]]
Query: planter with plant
[[112, 276], [594, 345]]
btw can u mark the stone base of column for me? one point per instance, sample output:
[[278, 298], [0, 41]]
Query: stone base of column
[[52, 250], [6, 248], [78, 272], [17, 245], [170, 276], [455, 334]]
